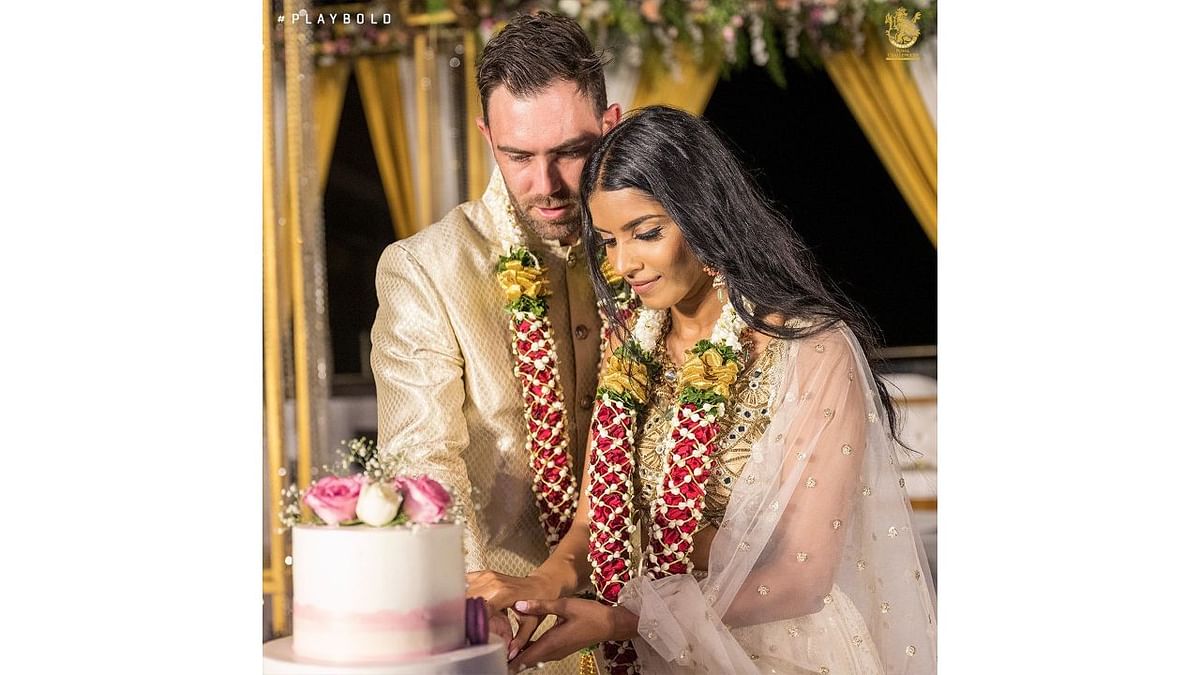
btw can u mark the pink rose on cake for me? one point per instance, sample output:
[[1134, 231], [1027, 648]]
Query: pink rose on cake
[[425, 500], [334, 498]]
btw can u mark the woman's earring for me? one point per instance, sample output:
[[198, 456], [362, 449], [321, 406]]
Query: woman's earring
[[718, 282]]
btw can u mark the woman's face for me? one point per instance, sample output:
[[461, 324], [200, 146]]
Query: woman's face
[[647, 248]]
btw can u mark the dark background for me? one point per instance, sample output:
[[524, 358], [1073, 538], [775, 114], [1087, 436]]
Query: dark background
[[806, 151]]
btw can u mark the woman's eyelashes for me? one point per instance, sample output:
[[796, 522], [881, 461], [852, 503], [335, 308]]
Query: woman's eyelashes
[[650, 235]]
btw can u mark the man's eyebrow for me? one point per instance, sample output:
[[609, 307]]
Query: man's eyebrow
[[569, 144], [573, 143]]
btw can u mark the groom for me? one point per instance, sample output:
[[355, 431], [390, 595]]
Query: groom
[[442, 352]]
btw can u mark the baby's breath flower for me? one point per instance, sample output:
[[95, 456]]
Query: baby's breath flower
[[289, 514]]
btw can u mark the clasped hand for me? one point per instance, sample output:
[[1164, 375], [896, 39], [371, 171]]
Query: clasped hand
[[580, 623], [501, 591]]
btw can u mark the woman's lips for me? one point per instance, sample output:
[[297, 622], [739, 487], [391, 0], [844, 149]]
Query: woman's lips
[[643, 288]]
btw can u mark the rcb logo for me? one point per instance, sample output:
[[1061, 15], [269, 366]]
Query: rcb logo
[[902, 31]]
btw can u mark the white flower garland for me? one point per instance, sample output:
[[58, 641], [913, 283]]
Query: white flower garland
[[648, 329]]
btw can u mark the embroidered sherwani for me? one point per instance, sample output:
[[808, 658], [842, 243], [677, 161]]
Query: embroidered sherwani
[[442, 357]]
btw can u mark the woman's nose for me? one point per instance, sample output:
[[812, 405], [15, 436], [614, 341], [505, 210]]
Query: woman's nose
[[624, 261]]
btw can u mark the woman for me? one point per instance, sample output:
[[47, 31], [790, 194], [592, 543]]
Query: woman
[[741, 502]]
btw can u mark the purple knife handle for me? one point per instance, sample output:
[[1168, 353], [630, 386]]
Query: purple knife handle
[[477, 621]]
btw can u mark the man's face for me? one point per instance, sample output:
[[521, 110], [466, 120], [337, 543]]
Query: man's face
[[540, 144]]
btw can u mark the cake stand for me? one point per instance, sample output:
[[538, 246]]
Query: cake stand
[[489, 659]]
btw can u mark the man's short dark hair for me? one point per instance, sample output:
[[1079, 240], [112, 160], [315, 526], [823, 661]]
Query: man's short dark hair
[[536, 50]]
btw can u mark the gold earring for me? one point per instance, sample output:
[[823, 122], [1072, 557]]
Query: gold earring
[[718, 282]]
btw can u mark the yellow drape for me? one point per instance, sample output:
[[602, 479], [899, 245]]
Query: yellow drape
[[274, 576], [379, 84], [885, 101], [477, 149], [329, 94], [689, 92]]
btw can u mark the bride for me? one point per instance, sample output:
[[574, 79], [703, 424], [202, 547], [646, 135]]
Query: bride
[[741, 510]]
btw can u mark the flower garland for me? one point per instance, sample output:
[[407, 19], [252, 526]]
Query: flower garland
[[627, 303], [523, 280], [705, 380], [736, 32]]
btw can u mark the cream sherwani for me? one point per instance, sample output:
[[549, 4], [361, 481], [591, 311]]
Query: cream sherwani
[[442, 357]]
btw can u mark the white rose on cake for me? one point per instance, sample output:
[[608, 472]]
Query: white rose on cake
[[378, 504]]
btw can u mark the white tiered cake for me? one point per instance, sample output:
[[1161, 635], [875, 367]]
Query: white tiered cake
[[377, 594], [379, 600]]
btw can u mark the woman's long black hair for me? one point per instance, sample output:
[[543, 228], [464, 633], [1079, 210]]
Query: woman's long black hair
[[678, 160]]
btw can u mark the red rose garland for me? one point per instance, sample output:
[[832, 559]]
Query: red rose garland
[[610, 486], [676, 513], [554, 484], [705, 383], [523, 280]]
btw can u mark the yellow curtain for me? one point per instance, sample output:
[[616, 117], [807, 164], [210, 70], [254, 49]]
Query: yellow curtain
[[379, 84], [329, 94], [885, 101], [690, 92], [477, 163]]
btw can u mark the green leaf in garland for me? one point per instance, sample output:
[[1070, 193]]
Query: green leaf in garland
[[535, 306], [624, 397], [521, 255], [704, 345], [700, 396], [633, 351]]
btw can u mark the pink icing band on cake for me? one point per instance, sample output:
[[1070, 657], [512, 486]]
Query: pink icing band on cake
[[445, 614]]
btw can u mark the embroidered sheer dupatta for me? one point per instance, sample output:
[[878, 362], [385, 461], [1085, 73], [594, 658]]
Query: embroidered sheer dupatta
[[816, 566]]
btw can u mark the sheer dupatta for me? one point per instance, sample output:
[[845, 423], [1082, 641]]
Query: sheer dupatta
[[816, 566]]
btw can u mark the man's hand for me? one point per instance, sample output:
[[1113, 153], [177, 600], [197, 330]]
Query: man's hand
[[501, 591], [580, 623]]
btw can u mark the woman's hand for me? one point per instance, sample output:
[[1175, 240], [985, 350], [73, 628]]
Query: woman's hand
[[580, 623], [501, 591]]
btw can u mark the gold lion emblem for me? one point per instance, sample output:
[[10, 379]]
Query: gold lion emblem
[[902, 31]]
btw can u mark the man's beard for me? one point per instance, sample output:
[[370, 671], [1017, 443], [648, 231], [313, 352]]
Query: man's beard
[[558, 229]]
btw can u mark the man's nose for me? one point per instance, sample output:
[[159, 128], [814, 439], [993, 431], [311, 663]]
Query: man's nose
[[546, 180]]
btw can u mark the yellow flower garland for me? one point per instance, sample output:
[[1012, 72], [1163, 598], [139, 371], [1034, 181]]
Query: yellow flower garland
[[517, 280], [626, 376], [708, 372], [611, 275]]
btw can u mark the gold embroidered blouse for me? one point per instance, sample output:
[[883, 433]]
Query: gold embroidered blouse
[[743, 423]]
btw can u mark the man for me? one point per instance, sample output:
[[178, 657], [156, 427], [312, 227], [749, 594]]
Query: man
[[450, 403]]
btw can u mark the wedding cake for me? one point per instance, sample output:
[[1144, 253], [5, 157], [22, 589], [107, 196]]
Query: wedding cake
[[377, 594], [379, 580]]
